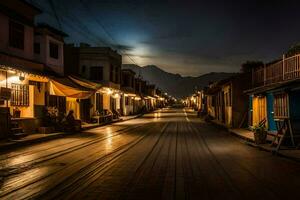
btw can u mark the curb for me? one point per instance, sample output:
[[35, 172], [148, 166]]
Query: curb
[[15, 144], [251, 143], [112, 122]]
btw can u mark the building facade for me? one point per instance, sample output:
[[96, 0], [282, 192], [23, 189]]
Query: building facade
[[275, 93], [226, 101], [101, 65]]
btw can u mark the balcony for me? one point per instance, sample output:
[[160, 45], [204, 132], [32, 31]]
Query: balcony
[[281, 71]]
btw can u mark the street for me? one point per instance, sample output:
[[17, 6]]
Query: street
[[168, 154]]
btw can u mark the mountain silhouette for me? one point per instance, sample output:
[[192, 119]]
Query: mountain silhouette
[[175, 84]]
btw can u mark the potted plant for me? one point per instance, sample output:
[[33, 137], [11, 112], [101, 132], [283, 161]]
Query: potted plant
[[260, 134]]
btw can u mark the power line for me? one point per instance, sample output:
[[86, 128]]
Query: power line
[[80, 31], [105, 30], [54, 11], [87, 33]]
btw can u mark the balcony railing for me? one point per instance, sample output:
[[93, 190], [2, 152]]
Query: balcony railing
[[283, 70]]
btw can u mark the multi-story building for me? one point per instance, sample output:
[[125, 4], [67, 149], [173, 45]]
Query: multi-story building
[[150, 99], [275, 94], [21, 77], [49, 48], [101, 65], [31, 59], [128, 91]]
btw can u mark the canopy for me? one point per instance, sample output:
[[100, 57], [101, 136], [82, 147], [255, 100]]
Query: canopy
[[66, 87], [85, 83]]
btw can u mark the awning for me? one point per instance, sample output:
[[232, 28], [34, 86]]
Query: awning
[[85, 83], [286, 85], [66, 87]]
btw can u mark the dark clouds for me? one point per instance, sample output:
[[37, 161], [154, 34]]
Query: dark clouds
[[184, 37]]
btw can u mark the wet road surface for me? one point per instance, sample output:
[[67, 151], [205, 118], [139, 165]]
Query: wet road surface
[[169, 154]]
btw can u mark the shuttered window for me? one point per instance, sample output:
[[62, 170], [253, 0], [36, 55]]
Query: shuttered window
[[20, 95], [281, 106]]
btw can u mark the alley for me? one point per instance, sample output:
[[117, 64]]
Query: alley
[[168, 154]]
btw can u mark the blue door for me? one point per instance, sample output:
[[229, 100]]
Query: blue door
[[294, 109], [250, 111], [270, 112]]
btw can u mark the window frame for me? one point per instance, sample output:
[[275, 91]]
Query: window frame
[[97, 73], [52, 52], [16, 35], [20, 95]]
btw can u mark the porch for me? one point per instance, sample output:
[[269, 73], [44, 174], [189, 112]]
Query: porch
[[283, 70]]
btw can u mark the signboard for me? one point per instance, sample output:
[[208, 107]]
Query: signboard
[[5, 93]]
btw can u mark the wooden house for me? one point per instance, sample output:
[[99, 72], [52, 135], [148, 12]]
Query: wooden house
[[275, 94], [226, 102]]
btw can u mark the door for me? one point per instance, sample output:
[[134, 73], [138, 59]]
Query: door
[[259, 109], [85, 105], [270, 112], [294, 110], [112, 103]]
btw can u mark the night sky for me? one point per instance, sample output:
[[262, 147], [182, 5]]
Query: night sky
[[189, 38]]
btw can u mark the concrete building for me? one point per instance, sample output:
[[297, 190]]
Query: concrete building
[[48, 48], [22, 81], [101, 65], [128, 92]]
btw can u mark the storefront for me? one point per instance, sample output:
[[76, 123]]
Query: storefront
[[77, 98], [23, 96]]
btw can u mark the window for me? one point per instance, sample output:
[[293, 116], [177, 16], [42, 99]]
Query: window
[[83, 69], [20, 95], [281, 106], [126, 80], [96, 73], [111, 73], [117, 75], [99, 102], [37, 48], [16, 35], [53, 49]]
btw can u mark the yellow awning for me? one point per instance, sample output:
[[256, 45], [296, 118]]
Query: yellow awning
[[86, 83], [65, 87]]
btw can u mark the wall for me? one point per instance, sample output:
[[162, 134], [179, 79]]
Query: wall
[[240, 100], [228, 105], [210, 108], [106, 101], [57, 65], [27, 53]]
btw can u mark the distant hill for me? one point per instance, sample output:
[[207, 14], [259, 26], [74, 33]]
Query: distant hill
[[175, 84]]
